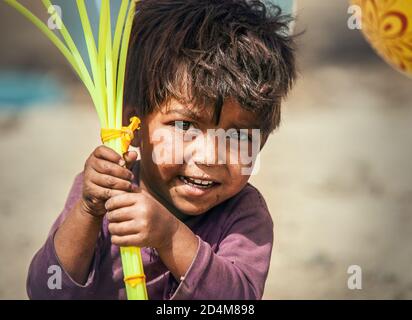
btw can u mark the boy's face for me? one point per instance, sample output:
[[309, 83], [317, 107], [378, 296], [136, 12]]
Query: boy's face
[[193, 180]]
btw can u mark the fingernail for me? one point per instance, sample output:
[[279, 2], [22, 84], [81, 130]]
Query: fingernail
[[122, 162]]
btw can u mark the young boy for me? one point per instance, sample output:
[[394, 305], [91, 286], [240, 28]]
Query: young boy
[[194, 66]]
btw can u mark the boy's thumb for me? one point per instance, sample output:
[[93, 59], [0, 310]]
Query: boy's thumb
[[130, 157]]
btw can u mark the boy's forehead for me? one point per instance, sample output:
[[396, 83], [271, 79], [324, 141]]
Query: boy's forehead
[[189, 109], [243, 117], [231, 112]]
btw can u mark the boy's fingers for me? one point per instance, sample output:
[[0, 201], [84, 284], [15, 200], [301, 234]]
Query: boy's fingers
[[110, 182], [126, 241], [106, 153], [121, 201], [130, 158], [112, 169], [123, 228], [102, 194], [119, 215]]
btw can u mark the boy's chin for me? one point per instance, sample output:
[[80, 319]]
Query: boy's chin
[[191, 209]]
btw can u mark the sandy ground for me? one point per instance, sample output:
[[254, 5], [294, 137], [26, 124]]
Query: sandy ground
[[336, 176]]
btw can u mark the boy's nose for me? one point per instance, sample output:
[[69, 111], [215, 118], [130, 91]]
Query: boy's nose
[[203, 150]]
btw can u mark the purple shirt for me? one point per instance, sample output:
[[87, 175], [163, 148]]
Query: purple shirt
[[232, 261]]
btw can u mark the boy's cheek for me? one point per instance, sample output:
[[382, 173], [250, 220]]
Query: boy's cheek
[[166, 149], [238, 178]]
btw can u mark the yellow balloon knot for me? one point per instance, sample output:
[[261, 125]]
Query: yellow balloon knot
[[135, 279], [126, 134]]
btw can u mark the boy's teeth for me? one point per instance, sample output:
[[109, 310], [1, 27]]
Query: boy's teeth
[[201, 182], [197, 182]]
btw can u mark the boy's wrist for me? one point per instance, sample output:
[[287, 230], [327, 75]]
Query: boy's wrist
[[85, 213], [179, 252], [167, 246]]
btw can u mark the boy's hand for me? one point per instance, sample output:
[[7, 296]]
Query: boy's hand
[[105, 176], [138, 219]]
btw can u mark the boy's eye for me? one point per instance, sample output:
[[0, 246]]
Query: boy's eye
[[239, 135], [182, 125]]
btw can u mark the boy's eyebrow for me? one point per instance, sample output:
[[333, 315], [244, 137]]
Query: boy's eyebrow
[[245, 120], [195, 116], [185, 112], [240, 124]]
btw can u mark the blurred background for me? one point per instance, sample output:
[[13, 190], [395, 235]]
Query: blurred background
[[336, 175]]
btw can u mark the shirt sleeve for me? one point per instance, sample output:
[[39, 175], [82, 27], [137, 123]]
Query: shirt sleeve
[[239, 268], [47, 279]]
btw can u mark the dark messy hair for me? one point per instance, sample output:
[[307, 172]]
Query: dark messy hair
[[202, 52]]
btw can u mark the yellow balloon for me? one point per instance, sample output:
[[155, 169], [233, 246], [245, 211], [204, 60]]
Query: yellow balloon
[[387, 25]]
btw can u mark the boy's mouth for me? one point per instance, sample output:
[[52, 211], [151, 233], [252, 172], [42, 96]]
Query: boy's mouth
[[197, 182]]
